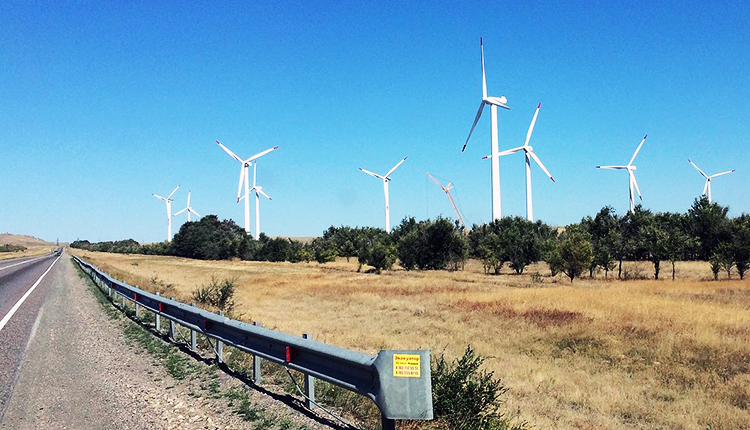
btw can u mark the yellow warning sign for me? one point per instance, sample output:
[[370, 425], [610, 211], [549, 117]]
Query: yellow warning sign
[[406, 366]]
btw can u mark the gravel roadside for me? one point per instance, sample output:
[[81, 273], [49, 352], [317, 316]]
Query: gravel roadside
[[81, 372]]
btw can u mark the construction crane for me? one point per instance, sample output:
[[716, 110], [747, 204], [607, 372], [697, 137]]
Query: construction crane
[[447, 190]]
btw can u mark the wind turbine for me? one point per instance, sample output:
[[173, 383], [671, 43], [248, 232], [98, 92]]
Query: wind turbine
[[385, 178], [245, 176], [529, 152], [168, 200], [188, 209], [708, 178], [493, 102], [631, 176], [447, 190], [258, 190]]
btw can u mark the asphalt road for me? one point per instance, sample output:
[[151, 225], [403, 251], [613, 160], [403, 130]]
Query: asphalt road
[[17, 276]]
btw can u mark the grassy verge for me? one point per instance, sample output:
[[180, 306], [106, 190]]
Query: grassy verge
[[181, 367]]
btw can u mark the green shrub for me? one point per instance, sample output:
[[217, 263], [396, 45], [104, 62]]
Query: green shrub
[[467, 398], [219, 294]]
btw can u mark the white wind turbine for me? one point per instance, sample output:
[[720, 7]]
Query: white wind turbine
[[188, 209], [245, 176], [529, 152], [258, 190], [168, 200], [708, 178], [447, 190], [631, 176], [385, 178], [493, 102]]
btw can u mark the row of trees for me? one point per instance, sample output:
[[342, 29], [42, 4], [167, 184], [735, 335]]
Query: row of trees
[[595, 244], [8, 247]]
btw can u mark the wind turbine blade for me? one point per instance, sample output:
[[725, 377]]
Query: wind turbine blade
[[260, 154], [612, 167], [159, 197], [173, 191], [705, 187], [177, 213], [395, 167], [188, 205], [193, 212], [371, 174], [231, 154], [260, 190], [539, 162], [637, 150], [484, 75], [722, 173], [531, 127], [508, 151], [632, 178], [473, 126], [242, 177], [697, 168]]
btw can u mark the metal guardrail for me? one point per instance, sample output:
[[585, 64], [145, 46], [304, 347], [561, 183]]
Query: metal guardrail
[[398, 382]]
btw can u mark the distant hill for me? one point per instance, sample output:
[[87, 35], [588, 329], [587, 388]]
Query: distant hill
[[22, 240]]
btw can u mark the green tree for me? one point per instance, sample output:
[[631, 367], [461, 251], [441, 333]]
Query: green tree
[[708, 222], [575, 251], [741, 244]]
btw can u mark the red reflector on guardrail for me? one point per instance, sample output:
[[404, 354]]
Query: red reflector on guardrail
[[161, 307], [291, 353], [207, 324], [135, 297]]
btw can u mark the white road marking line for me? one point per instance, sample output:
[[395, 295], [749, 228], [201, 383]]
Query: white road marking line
[[23, 262], [18, 304]]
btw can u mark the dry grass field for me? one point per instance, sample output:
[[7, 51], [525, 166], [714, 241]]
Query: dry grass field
[[35, 246], [591, 355], [33, 251]]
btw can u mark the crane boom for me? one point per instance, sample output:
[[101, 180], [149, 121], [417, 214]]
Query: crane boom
[[447, 192]]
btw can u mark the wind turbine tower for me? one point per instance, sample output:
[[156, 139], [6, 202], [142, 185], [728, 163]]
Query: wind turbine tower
[[447, 190], [385, 178], [631, 175], [707, 186], [168, 200], [245, 178], [529, 153], [494, 103]]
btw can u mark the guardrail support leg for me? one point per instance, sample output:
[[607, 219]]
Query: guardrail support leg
[[193, 337], [158, 318], [309, 384], [137, 310], [257, 377], [124, 304], [388, 424], [220, 346]]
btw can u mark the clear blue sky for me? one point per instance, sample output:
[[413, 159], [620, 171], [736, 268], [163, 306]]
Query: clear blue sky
[[104, 103]]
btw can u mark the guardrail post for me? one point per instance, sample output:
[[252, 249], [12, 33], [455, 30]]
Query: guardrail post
[[137, 306], [220, 346], [172, 327], [193, 337], [309, 384], [257, 377], [158, 318], [124, 304]]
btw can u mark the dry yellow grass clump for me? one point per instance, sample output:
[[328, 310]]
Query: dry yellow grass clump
[[594, 354]]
